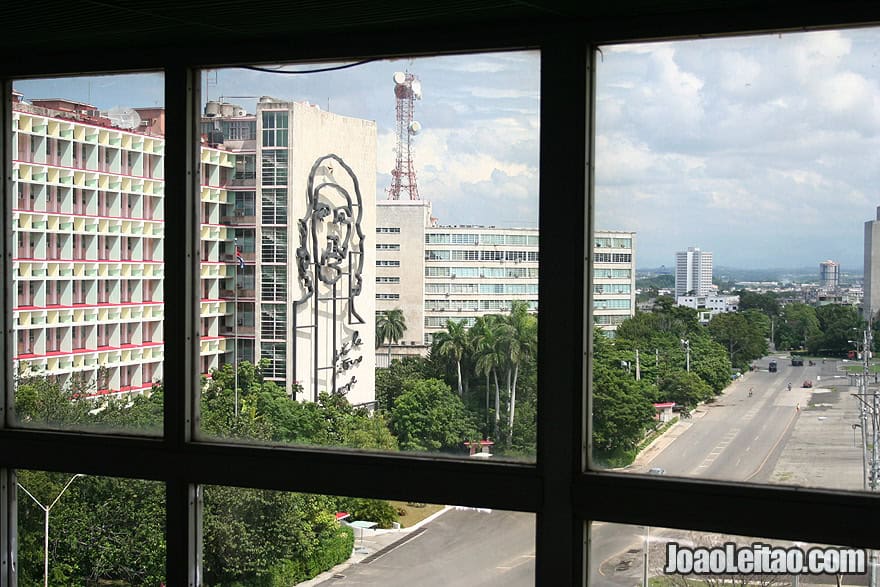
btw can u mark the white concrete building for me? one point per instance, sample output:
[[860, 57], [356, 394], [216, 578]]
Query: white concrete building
[[693, 272], [614, 278], [303, 207], [709, 306], [829, 274], [438, 273], [871, 300]]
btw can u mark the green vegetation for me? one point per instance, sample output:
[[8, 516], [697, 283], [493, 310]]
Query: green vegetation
[[113, 529]]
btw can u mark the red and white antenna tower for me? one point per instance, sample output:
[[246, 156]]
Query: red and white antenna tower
[[407, 89]]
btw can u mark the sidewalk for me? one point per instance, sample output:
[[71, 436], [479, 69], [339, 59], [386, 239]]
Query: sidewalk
[[368, 543]]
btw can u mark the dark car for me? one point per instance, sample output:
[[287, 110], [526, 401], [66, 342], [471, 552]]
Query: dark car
[[772, 367], [797, 362]]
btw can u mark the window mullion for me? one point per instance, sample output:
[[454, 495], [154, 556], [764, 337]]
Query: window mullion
[[564, 96], [181, 312]]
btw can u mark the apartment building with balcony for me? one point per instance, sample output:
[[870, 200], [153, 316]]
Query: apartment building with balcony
[[87, 247]]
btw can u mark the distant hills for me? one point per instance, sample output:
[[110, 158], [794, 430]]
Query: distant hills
[[796, 274]]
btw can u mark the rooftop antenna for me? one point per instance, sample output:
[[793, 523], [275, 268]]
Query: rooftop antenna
[[407, 89]]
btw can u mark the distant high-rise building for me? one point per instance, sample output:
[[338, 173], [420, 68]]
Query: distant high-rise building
[[693, 272], [829, 274], [871, 300]]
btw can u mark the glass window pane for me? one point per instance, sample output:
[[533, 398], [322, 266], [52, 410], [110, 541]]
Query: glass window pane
[[280, 538], [621, 554], [102, 530], [733, 259], [359, 265], [88, 234]]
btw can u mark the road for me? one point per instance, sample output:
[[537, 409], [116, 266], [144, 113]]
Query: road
[[461, 547], [738, 438]]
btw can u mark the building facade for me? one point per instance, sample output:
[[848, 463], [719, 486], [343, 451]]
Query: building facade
[[438, 273], [871, 300], [829, 274], [88, 260], [88, 254], [614, 278], [302, 211], [693, 272], [708, 307]]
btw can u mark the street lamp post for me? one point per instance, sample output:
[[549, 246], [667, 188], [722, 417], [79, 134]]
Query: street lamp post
[[687, 349], [46, 510]]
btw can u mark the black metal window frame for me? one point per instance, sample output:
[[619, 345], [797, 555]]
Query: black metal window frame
[[559, 488]]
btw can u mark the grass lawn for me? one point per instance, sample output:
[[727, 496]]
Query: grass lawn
[[874, 368], [413, 515]]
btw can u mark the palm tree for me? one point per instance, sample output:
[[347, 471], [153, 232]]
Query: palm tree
[[453, 343], [390, 327], [489, 356], [520, 341]]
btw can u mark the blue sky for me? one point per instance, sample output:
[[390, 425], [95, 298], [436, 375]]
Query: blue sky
[[764, 150]]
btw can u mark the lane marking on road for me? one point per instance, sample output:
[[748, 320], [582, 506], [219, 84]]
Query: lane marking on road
[[775, 446], [719, 448]]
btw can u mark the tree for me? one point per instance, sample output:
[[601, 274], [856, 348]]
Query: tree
[[452, 344], [390, 327], [490, 357], [798, 324], [768, 303], [427, 416], [389, 381], [839, 325], [742, 338], [683, 388], [520, 341], [622, 407]]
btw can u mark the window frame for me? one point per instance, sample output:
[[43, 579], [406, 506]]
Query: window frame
[[559, 488]]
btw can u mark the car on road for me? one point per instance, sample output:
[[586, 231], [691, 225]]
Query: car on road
[[656, 471], [807, 384], [797, 361], [772, 367]]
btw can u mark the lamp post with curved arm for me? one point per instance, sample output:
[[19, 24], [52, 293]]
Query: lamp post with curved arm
[[46, 510]]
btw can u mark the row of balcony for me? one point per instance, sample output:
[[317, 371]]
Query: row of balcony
[[92, 359], [86, 315], [98, 180], [57, 222], [39, 269], [35, 120]]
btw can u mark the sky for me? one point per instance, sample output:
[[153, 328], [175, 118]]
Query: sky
[[761, 149]]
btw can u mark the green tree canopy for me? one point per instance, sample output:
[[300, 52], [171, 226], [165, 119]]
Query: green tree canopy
[[428, 416], [742, 338]]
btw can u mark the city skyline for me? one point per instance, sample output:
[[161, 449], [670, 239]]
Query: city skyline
[[734, 143]]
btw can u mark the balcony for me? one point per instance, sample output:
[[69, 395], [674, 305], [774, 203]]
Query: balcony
[[242, 180], [239, 220]]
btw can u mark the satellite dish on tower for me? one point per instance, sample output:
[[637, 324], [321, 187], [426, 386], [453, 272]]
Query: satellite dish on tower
[[414, 127], [416, 88], [399, 77], [123, 117]]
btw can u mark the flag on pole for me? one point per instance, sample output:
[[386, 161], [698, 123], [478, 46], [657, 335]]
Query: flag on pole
[[239, 258]]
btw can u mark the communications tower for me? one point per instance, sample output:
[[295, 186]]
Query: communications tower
[[407, 89]]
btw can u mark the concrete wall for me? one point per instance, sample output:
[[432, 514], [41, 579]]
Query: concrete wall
[[315, 134], [411, 217]]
